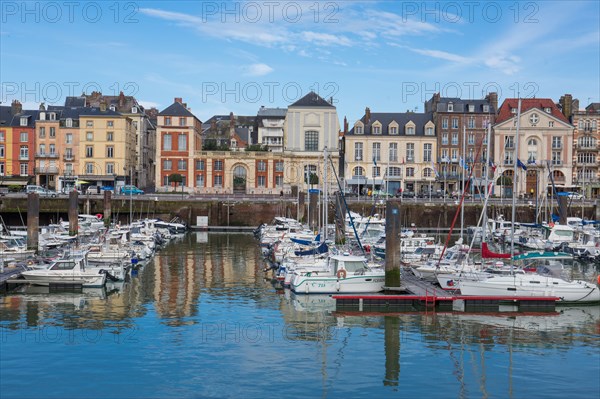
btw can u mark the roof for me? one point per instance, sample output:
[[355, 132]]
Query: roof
[[459, 105], [526, 104], [243, 133], [176, 109], [312, 99], [272, 112], [402, 118], [71, 101], [593, 107], [95, 111]]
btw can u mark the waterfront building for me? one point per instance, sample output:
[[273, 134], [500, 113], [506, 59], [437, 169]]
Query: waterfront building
[[270, 122], [545, 148], [461, 127], [391, 151], [17, 145]]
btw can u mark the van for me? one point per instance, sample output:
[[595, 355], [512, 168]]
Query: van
[[40, 191]]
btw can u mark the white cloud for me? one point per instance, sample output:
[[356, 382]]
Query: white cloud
[[325, 39], [257, 70], [442, 55], [148, 104]]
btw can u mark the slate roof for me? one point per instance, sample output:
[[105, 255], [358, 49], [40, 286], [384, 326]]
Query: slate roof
[[176, 109], [593, 107], [459, 105], [402, 118], [7, 118], [312, 99], [72, 101], [266, 113], [526, 104]]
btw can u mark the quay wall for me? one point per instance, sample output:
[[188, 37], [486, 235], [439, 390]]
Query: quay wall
[[253, 212]]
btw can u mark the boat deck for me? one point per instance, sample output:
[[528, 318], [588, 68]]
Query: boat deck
[[9, 274]]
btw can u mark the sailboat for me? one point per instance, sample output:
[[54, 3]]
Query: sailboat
[[526, 284]]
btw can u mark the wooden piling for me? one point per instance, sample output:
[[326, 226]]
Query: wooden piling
[[107, 208], [33, 221], [392, 244], [313, 198], [73, 212]]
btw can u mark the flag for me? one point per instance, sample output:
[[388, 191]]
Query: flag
[[521, 164], [463, 164], [434, 169], [374, 160], [492, 166]]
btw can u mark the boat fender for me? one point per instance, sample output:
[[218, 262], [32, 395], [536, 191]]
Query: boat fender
[[367, 248], [341, 274], [598, 279]]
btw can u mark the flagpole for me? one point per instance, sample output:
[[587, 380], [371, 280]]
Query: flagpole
[[515, 182], [487, 189], [462, 207]]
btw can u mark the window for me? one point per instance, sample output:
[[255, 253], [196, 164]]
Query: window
[[199, 180], [109, 136], [69, 138], [556, 157], [376, 129], [69, 122], [410, 152], [486, 108], [181, 121], [358, 130], [167, 121], [509, 142], [279, 166], [89, 151], [445, 123], [556, 142], [109, 124], [471, 139], [89, 168], [167, 142], [410, 131], [261, 166], [454, 155], [167, 164], [52, 116], [471, 155], [358, 151], [42, 132], [508, 158], [110, 168], [531, 156], [454, 138], [69, 168], [393, 152], [1, 135], [2, 169], [410, 172], [24, 152], [218, 181], [427, 172], [393, 130], [2, 151], [471, 123], [450, 107], [311, 141], [278, 181], [110, 151], [429, 131], [550, 123], [182, 164], [89, 124], [68, 153], [42, 149], [182, 142], [376, 171], [586, 158], [166, 180], [445, 138], [89, 136], [454, 123], [261, 181], [199, 164], [534, 119], [548, 110], [23, 121], [395, 171], [52, 149], [377, 151], [24, 136], [587, 142], [427, 152], [134, 110], [445, 157], [24, 169], [471, 107], [513, 110], [359, 171], [218, 166]]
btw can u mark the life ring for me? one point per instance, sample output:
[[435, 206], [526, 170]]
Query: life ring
[[99, 216], [341, 274], [551, 225]]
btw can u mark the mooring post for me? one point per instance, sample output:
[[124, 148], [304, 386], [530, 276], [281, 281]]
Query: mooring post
[[313, 198], [107, 208], [73, 212], [33, 221], [340, 220], [563, 204], [392, 350], [392, 244]]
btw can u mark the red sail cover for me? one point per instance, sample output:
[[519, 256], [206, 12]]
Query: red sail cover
[[486, 253]]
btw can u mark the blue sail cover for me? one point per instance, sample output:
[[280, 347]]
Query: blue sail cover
[[321, 249], [306, 242]]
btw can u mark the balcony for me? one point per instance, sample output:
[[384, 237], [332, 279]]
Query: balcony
[[47, 170], [23, 157], [557, 146], [46, 155], [68, 157]]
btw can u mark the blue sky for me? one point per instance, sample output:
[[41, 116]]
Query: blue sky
[[236, 56]]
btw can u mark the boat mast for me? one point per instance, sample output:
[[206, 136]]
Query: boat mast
[[325, 194], [514, 196], [464, 169], [487, 189]]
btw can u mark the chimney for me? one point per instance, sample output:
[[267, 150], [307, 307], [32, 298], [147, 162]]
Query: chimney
[[178, 100], [331, 100], [367, 115], [492, 99], [345, 125], [42, 107], [121, 100], [16, 107], [566, 103], [102, 105]]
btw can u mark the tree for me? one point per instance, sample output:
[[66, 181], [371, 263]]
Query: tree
[[175, 178], [312, 179], [257, 148], [504, 181]]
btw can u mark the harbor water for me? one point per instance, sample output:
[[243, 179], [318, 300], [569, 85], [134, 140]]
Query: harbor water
[[203, 320]]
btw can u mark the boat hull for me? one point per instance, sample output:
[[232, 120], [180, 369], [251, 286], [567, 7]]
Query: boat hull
[[302, 284], [39, 277]]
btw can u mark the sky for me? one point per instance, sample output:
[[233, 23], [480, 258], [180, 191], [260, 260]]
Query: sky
[[223, 57]]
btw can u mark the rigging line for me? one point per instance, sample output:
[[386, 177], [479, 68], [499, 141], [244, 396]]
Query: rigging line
[[346, 205]]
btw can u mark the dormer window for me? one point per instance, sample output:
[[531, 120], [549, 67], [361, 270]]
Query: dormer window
[[376, 129], [513, 110], [23, 121], [42, 116], [358, 130], [486, 108], [450, 107], [134, 110], [52, 116], [69, 122], [393, 130], [548, 110], [410, 130], [112, 108], [471, 108]]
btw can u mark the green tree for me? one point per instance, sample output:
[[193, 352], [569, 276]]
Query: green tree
[[175, 178], [257, 148]]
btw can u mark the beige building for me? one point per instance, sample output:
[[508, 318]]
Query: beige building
[[391, 151], [545, 148]]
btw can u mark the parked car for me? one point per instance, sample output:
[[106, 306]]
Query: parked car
[[408, 194], [574, 196], [382, 194], [41, 191], [131, 190], [458, 194]]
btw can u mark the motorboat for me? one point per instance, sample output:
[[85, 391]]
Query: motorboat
[[66, 271]]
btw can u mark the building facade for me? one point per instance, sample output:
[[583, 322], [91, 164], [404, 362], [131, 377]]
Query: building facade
[[391, 151], [17, 145], [545, 148], [586, 144]]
